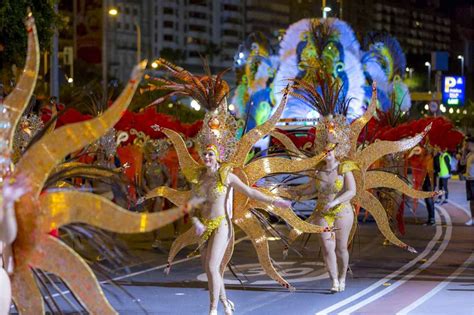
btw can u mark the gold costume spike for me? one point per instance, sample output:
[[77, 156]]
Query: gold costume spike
[[228, 251], [17, 101], [66, 165], [78, 276], [378, 179], [287, 143], [250, 138], [274, 165], [294, 233], [288, 216], [359, 124], [66, 207], [52, 148], [378, 149], [250, 225], [373, 205], [177, 197], [190, 168], [186, 239], [25, 293], [85, 171]]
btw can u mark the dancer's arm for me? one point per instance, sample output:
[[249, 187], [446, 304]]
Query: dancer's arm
[[348, 193], [8, 225], [236, 183]]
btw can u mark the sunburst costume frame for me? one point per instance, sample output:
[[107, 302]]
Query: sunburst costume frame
[[363, 157], [39, 211]]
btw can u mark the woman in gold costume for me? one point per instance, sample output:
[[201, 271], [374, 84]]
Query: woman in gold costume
[[333, 182], [334, 187], [215, 184]]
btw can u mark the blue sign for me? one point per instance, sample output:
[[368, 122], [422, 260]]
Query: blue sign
[[453, 90]]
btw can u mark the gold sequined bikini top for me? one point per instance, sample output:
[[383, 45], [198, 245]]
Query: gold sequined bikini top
[[344, 167], [220, 188]]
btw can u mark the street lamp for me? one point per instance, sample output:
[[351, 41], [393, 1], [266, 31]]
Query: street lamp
[[113, 12], [325, 11], [462, 64], [410, 72], [427, 64]]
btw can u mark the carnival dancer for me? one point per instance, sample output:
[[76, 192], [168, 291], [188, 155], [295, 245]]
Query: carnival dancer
[[334, 186], [213, 221], [347, 177]]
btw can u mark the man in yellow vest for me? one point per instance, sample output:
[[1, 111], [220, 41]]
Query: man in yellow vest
[[444, 172]]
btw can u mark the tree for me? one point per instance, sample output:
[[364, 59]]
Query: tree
[[13, 37]]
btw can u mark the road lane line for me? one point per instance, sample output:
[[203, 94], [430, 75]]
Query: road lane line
[[438, 288], [432, 259], [457, 205], [394, 274]]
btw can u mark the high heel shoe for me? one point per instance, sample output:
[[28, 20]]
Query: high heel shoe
[[335, 287], [342, 286], [213, 312], [229, 307]]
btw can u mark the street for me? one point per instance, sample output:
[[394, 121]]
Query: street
[[439, 279]]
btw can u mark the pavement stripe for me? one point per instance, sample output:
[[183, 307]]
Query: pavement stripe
[[438, 288], [468, 213], [394, 274], [431, 260]]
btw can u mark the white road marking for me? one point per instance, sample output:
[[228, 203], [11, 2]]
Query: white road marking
[[438, 288], [468, 213], [394, 274], [432, 259]]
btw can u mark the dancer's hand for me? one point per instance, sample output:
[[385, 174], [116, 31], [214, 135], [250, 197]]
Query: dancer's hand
[[281, 203], [141, 200], [14, 190], [330, 205], [199, 228]]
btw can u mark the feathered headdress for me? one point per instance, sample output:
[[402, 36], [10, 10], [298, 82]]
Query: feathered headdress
[[218, 133], [208, 90], [324, 94]]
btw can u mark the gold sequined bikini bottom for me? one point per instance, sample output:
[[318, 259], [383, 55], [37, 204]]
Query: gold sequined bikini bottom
[[211, 225], [332, 214]]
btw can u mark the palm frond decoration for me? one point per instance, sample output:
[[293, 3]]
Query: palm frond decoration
[[208, 90], [324, 94]]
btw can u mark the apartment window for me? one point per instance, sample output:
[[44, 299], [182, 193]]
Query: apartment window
[[198, 2], [127, 10], [194, 54], [168, 24], [135, 12], [156, 37], [119, 25], [230, 7], [197, 28], [197, 15], [231, 32], [168, 10], [168, 38], [126, 26]]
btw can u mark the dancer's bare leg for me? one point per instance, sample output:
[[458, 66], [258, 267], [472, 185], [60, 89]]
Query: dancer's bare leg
[[343, 225], [217, 245], [5, 290], [328, 244]]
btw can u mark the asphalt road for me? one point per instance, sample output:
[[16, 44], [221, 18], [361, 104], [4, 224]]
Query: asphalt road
[[439, 279]]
